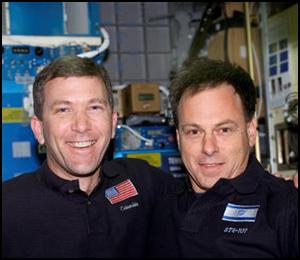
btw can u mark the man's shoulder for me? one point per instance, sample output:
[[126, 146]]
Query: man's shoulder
[[278, 184], [279, 189], [132, 166], [20, 183], [139, 171], [268, 182]]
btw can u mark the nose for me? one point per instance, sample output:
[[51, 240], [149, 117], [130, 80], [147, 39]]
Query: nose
[[209, 146], [81, 123]]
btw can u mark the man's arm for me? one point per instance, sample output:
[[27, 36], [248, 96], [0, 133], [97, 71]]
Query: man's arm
[[293, 177]]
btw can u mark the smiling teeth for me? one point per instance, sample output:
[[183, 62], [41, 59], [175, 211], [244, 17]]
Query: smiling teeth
[[82, 144]]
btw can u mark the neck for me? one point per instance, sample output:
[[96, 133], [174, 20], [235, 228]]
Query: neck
[[87, 184]]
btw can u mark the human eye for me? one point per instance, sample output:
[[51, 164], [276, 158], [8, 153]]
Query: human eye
[[225, 130], [191, 132], [62, 110], [96, 107]]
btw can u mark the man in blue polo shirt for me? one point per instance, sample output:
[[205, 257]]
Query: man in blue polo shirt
[[78, 204], [230, 206]]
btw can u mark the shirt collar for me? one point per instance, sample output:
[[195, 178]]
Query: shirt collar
[[246, 182], [57, 183], [183, 185], [110, 168]]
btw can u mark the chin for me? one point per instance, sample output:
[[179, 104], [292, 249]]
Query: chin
[[206, 185], [83, 174], [83, 171]]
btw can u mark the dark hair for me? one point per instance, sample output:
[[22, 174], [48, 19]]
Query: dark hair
[[67, 66], [204, 73]]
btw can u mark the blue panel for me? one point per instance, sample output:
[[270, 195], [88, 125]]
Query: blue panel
[[272, 60], [17, 64], [170, 160], [94, 18], [284, 67], [283, 56], [13, 133], [163, 136], [172, 163], [11, 167], [36, 18], [273, 71], [22, 66], [165, 144], [10, 87]]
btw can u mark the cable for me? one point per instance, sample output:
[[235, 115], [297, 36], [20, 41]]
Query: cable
[[149, 142], [56, 41], [102, 48], [167, 111], [258, 72], [50, 41], [164, 90]]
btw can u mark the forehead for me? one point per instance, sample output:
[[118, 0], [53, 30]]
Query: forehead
[[72, 86], [221, 91], [211, 102]]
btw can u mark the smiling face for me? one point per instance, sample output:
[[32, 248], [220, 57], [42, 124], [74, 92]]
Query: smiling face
[[77, 125], [213, 135]]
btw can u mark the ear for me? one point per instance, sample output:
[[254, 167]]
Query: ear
[[252, 131], [178, 139], [114, 123], [37, 128]]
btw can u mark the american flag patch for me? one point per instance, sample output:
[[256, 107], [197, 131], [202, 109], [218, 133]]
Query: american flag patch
[[120, 192]]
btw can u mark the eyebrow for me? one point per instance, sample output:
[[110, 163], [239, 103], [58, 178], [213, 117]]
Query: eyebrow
[[98, 100], [60, 102], [225, 122], [91, 101], [182, 127]]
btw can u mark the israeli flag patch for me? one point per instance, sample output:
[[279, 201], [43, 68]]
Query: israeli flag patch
[[240, 213]]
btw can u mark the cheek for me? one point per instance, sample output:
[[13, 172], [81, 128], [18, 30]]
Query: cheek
[[54, 131], [189, 150], [237, 151]]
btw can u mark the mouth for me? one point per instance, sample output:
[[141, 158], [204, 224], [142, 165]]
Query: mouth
[[81, 144], [211, 165]]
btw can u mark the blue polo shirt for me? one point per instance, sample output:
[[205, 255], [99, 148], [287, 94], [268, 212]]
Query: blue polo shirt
[[252, 215], [128, 214]]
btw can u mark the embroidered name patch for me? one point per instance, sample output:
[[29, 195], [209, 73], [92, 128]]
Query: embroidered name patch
[[240, 213], [130, 206], [120, 192]]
